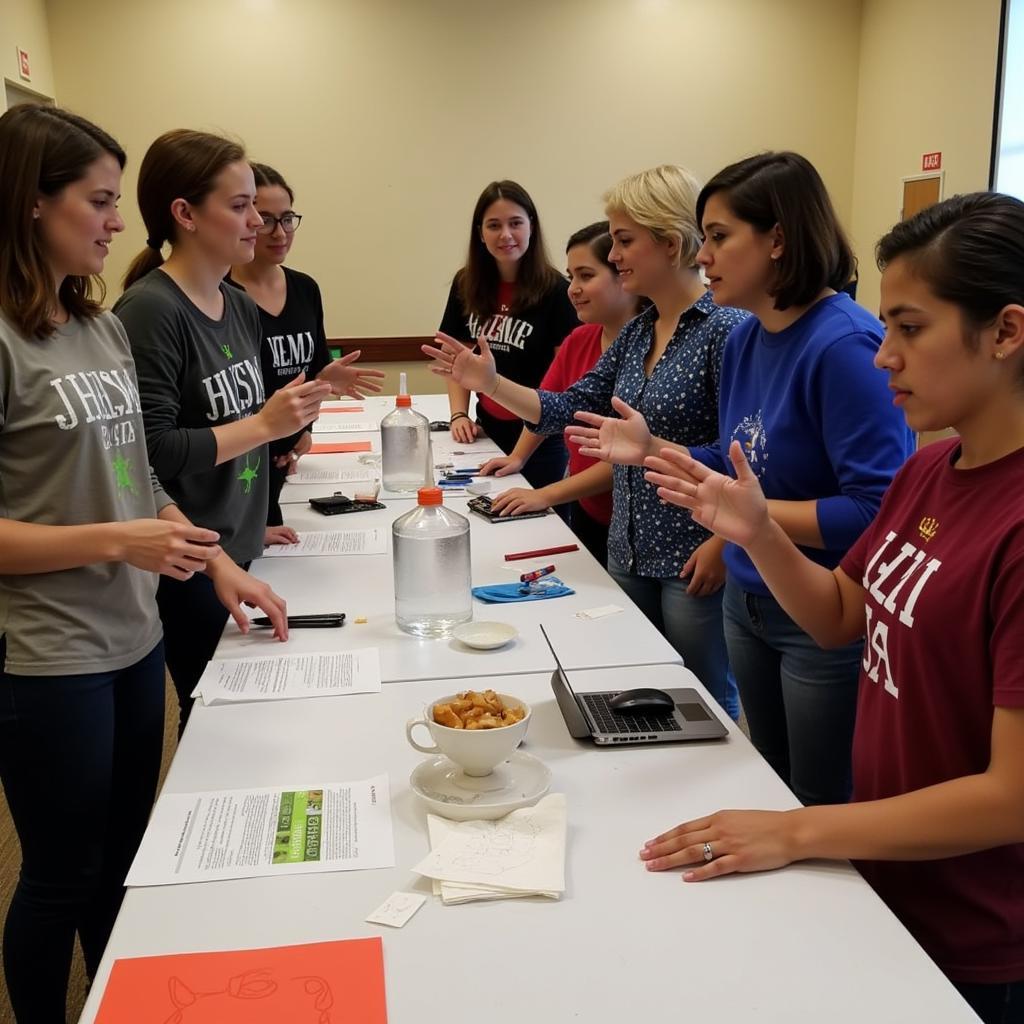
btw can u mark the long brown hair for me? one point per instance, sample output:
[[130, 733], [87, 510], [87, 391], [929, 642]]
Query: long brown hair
[[181, 164], [42, 151], [477, 282]]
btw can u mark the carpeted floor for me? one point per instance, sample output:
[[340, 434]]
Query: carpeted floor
[[10, 860]]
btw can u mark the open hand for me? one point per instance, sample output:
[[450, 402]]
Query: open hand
[[458, 362], [354, 381], [624, 440], [734, 509]]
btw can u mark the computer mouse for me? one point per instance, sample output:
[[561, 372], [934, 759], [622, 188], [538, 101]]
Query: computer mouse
[[645, 698]]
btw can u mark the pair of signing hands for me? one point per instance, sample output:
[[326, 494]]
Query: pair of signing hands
[[734, 509], [344, 378]]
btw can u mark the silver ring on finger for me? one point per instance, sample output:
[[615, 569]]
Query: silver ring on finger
[[709, 854]]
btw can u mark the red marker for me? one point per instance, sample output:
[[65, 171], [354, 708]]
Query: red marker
[[518, 556], [530, 577]]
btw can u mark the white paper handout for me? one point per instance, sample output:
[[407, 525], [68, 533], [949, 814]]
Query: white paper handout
[[331, 476], [333, 542], [274, 677], [245, 833], [522, 854], [342, 424]]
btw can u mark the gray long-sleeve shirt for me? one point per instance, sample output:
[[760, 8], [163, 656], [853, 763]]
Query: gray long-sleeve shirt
[[73, 451], [195, 374]]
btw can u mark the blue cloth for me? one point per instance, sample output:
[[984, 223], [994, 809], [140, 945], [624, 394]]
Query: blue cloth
[[816, 422], [506, 593], [648, 537]]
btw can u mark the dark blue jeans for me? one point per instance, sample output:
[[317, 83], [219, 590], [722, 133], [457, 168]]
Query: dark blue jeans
[[800, 701], [79, 760], [692, 625], [193, 619], [996, 1004]]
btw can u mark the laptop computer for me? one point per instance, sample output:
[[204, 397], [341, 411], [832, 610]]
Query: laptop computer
[[589, 715]]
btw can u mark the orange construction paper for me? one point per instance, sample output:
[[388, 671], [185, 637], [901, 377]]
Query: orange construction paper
[[318, 983], [332, 448], [330, 407]]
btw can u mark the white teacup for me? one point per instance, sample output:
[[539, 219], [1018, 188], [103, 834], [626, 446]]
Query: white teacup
[[475, 751]]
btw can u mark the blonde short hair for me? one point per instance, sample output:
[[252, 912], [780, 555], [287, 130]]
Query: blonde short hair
[[663, 200]]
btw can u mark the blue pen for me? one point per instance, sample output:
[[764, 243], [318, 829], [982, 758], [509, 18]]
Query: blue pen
[[471, 470]]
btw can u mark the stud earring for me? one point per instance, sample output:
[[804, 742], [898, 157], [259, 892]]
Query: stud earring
[[1000, 355]]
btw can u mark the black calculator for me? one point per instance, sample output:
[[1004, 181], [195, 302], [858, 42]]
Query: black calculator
[[481, 505]]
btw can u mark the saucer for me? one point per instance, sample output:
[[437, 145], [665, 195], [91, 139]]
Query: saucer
[[446, 790], [485, 636]]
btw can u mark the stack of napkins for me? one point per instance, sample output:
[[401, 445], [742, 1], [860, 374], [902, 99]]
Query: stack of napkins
[[522, 854]]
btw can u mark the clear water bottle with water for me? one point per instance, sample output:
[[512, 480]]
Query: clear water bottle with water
[[433, 585], [405, 463]]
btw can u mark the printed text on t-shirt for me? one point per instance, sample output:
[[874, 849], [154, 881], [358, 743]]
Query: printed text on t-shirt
[[234, 390], [501, 332], [896, 586]]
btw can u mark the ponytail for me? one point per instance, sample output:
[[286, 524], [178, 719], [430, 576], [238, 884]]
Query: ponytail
[[180, 164]]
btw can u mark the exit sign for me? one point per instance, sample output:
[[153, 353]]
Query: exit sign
[[23, 66], [931, 162]]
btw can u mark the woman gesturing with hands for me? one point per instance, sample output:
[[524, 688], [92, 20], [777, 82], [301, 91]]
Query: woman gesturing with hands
[[936, 584]]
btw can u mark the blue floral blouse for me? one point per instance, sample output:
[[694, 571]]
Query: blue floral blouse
[[679, 401]]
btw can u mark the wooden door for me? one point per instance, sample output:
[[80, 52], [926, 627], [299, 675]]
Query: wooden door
[[919, 193]]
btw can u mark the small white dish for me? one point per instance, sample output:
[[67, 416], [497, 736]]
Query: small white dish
[[446, 790], [485, 636]]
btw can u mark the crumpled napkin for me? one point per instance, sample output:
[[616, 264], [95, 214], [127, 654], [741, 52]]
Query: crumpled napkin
[[506, 593], [522, 854]]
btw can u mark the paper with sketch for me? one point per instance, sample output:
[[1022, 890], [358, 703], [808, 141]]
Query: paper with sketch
[[274, 677], [313, 983], [331, 476], [520, 854], [333, 542], [334, 423], [245, 833]]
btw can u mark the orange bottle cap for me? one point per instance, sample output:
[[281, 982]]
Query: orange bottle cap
[[430, 496], [403, 401]]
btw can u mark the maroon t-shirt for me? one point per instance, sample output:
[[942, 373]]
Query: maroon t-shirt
[[942, 566], [578, 355]]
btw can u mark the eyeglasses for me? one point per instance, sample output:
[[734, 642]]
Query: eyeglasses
[[288, 221]]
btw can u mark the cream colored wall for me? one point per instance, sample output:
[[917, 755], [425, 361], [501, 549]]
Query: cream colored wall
[[388, 116], [927, 83], [23, 23]]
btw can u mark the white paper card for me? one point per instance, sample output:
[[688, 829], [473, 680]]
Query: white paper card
[[599, 613], [330, 476], [343, 424], [328, 674], [279, 830], [397, 909], [333, 542]]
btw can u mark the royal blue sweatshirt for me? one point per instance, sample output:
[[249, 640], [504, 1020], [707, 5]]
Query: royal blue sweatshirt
[[816, 422]]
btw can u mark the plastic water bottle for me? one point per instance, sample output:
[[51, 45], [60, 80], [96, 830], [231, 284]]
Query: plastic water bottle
[[405, 461], [433, 584]]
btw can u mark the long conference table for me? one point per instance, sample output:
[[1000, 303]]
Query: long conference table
[[804, 945]]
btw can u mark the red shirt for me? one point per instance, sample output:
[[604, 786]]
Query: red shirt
[[942, 567], [578, 355], [506, 293]]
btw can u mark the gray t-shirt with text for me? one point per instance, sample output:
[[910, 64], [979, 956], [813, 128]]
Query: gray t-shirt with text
[[72, 452]]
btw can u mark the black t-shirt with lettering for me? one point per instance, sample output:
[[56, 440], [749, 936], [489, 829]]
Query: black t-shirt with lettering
[[293, 341], [523, 340]]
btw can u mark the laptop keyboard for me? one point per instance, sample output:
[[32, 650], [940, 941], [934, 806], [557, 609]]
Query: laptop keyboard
[[611, 721]]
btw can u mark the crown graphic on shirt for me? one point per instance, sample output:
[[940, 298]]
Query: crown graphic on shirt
[[928, 527]]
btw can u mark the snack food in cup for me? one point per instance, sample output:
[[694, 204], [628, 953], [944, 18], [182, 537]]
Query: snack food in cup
[[489, 728]]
